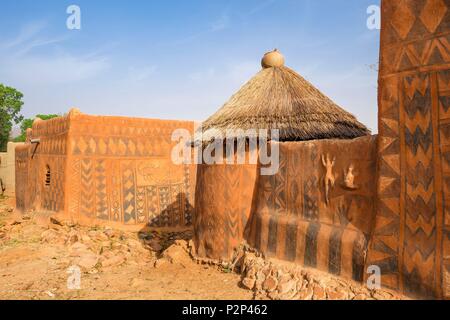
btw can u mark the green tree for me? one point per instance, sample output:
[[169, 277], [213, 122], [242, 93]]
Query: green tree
[[10, 105], [28, 123]]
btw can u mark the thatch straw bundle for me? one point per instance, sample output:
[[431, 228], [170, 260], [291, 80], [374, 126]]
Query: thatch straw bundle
[[279, 98]]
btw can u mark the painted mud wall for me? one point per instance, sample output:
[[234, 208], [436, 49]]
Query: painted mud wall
[[294, 219], [411, 241], [288, 215], [41, 168], [22, 186], [120, 170], [113, 169], [406, 220], [223, 197], [7, 168]]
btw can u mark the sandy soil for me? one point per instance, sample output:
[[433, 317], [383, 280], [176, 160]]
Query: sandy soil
[[35, 257]]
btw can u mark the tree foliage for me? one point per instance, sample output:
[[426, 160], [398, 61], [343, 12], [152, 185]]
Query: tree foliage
[[10, 105]]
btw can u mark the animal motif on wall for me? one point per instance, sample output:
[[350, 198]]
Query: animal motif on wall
[[330, 178], [287, 222], [349, 178]]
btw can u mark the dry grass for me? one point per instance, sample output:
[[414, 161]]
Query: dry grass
[[279, 98]]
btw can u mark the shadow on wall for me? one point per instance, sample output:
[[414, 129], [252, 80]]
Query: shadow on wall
[[163, 230], [177, 214]]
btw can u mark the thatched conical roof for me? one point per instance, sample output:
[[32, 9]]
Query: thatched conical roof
[[279, 98]]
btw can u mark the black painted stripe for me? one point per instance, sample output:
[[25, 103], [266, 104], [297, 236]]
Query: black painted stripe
[[258, 232], [335, 251], [291, 242], [272, 241], [311, 244]]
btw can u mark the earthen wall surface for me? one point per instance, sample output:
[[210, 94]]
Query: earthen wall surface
[[289, 215], [411, 241], [21, 172], [46, 160], [107, 169], [120, 170], [223, 197], [293, 219], [7, 168]]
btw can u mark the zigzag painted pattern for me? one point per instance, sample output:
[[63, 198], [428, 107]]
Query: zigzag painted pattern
[[444, 107], [385, 242], [420, 202], [415, 34], [141, 205], [74, 185], [101, 196], [129, 193], [232, 221], [87, 204]]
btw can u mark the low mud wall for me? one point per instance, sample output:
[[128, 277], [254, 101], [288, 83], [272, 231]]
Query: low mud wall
[[317, 210], [116, 171], [120, 171], [41, 167]]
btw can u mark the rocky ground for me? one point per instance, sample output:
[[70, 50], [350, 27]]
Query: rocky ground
[[278, 280], [41, 256]]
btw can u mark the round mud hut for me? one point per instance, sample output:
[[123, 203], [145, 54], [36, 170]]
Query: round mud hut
[[277, 98]]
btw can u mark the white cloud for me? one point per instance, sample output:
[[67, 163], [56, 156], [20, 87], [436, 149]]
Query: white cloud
[[60, 69], [27, 48], [26, 33]]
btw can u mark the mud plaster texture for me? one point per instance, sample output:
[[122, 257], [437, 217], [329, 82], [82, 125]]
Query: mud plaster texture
[[112, 169]]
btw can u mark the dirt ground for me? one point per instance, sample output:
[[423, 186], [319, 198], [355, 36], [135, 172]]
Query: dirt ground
[[36, 256]]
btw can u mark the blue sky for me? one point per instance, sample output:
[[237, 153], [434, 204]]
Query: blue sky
[[182, 59]]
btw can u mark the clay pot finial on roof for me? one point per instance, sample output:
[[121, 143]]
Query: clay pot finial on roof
[[272, 59]]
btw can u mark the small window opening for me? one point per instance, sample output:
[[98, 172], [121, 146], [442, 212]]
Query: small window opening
[[47, 176]]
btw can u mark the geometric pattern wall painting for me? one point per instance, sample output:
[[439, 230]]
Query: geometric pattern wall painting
[[101, 197], [410, 240], [287, 215], [41, 167], [108, 169], [221, 213], [53, 193], [120, 170], [292, 219], [443, 78], [22, 176], [126, 173]]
